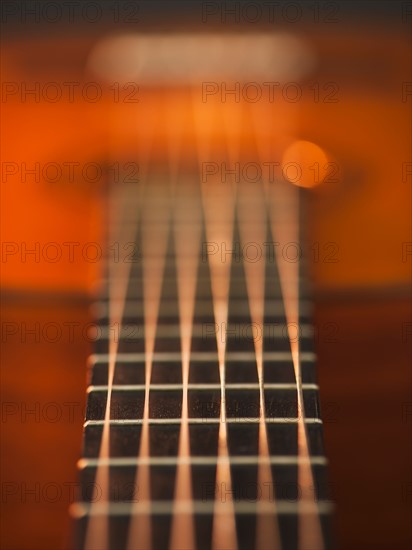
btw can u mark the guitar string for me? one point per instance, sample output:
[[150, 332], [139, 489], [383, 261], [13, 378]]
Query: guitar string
[[218, 207], [252, 229], [255, 216], [309, 529], [120, 204], [154, 244], [182, 533], [287, 231], [97, 532], [139, 532], [252, 219], [187, 233]]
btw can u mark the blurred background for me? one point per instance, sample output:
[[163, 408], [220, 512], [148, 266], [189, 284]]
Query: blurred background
[[70, 128]]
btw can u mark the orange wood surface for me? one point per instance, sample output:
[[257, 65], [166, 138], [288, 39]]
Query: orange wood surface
[[366, 132], [364, 377]]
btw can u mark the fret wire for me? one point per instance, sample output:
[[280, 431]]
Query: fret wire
[[168, 331], [199, 387], [235, 280], [200, 420], [200, 507], [200, 460], [132, 357], [275, 306]]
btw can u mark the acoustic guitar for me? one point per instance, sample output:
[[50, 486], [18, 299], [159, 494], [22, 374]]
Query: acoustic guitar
[[211, 185]]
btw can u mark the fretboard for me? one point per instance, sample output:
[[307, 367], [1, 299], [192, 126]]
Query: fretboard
[[203, 427]]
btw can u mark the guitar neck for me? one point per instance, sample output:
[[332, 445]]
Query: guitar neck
[[203, 427]]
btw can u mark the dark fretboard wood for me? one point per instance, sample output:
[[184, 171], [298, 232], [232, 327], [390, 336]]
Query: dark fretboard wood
[[204, 405]]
